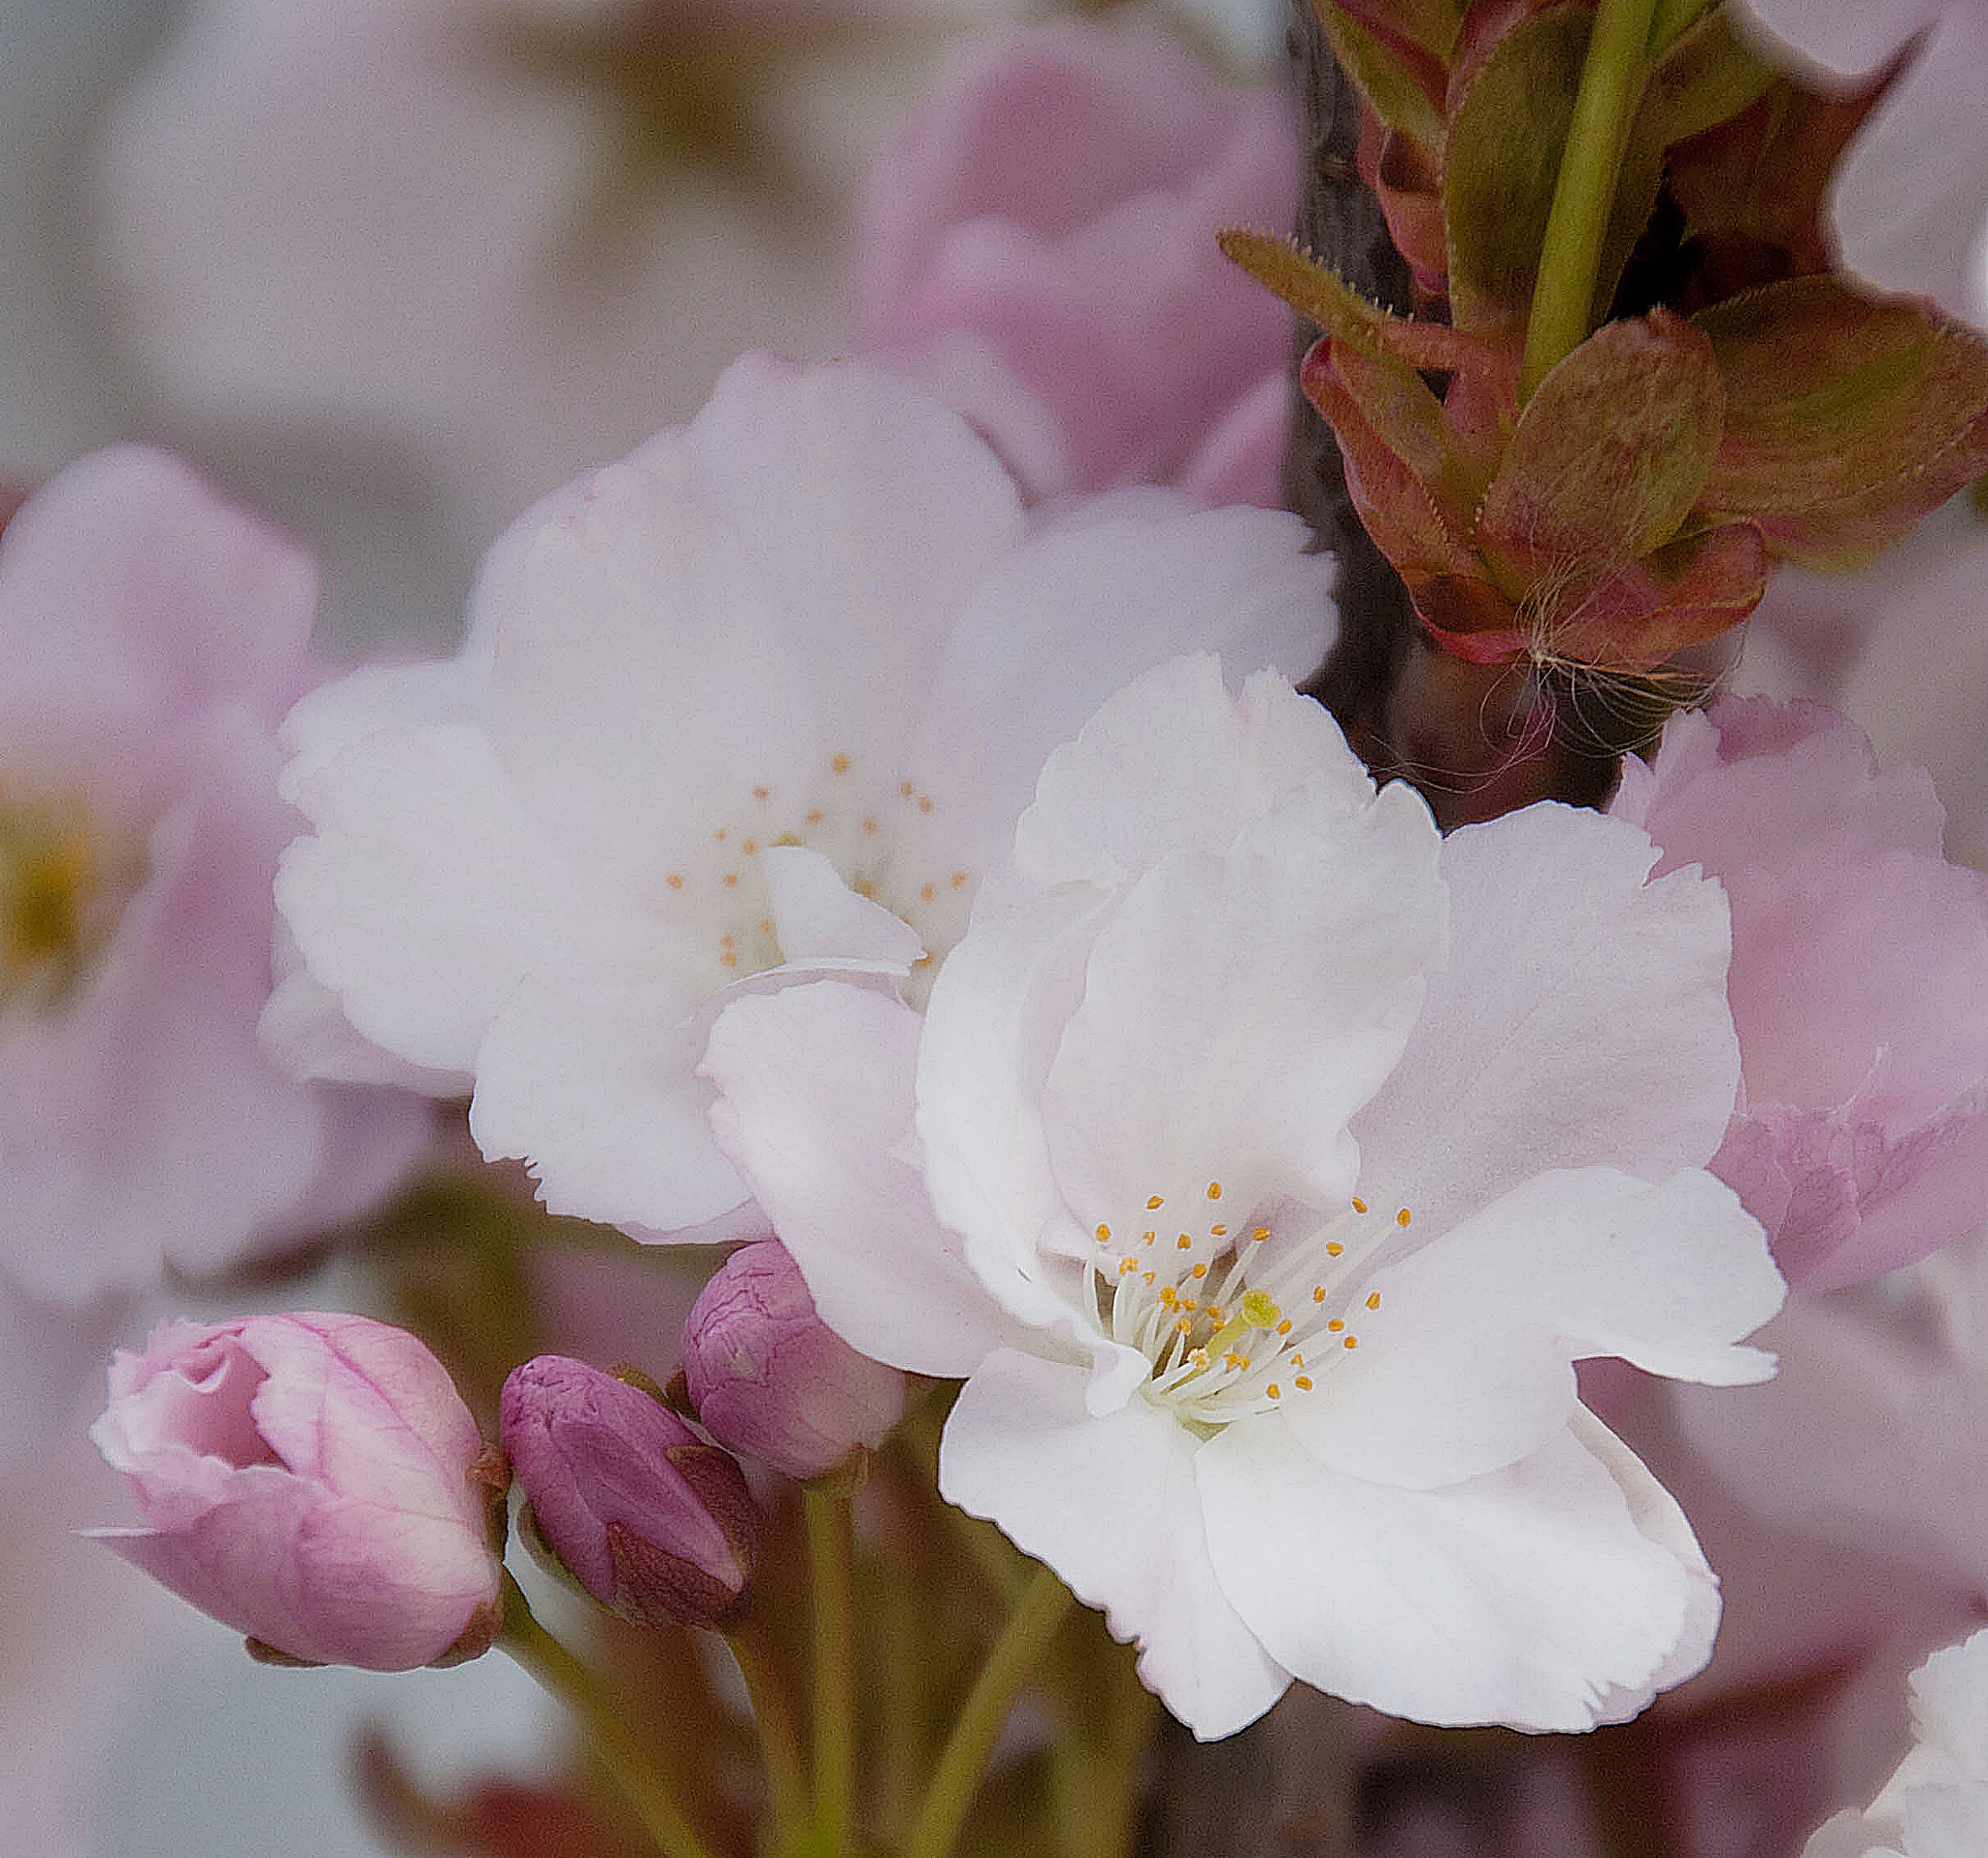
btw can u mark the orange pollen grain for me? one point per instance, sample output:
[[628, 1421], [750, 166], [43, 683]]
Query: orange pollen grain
[[1275, 1391], [1198, 1272], [839, 764], [1303, 1384], [1334, 1248], [1335, 1325], [1214, 1189], [1218, 1232], [1155, 1204], [676, 881], [1359, 1205], [1374, 1300], [1184, 1244], [1352, 1341], [1402, 1219]]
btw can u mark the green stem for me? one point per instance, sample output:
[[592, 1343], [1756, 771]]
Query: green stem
[[566, 1678], [1611, 81], [778, 1741], [832, 1578], [1024, 1639]]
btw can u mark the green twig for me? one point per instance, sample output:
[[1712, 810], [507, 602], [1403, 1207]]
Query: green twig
[[564, 1676], [1612, 82], [1024, 1639], [831, 1577]]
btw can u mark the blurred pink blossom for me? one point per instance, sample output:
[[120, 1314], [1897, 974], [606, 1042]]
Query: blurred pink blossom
[[314, 1480], [150, 638], [1038, 243], [1910, 201], [1859, 983]]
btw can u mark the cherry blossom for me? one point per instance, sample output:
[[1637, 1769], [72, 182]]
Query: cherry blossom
[[1284, 1157], [761, 701], [1037, 241], [152, 635]]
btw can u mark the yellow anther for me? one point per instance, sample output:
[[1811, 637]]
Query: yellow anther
[[1317, 1293], [927, 891], [1155, 1203], [1169, 1296], [1402, 1219], [728, 960], [1214, 1189], [1297, 1360], [925, 803], [1103, 1235], [906, 789], [1374, 1300], [766, 925], [958, 879], [1359, 1205], [748, 846], [1181, 1325], [722, 833], [1218, 1232], [1145, 1277], [1336, 1324], [1189, 1303], [1217, 1314], [1127, 1266], [1275, 1391], [869, 824], [1334, 1248], [1284, 1327], [1184, 1244], [1260, 1234], [731, 881], [1199, 1357], [1352, 1341], [676, 881], [1148, 1236], [839, 764], [1303, 1384], [725, 940], [1198, 1272], [813, 816], [762, 793]]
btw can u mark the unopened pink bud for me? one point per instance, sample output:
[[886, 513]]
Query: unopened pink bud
[[771, 1379], [654, 1523], [314, 1480]]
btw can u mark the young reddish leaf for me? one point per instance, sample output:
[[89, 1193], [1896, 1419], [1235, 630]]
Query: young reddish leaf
[[1402, 81], [1389, 428], [1632, 619], [1400, 175], [1501, 161], [1320, 295], [1847, 418], [1609, 453]]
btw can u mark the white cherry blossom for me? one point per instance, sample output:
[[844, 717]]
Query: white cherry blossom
[[1264, 1162], [761, 701]]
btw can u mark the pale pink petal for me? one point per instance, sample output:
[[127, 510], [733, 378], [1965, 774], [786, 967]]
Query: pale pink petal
[[814, 1109], [1581, 1021], [1184, 1078], [1110, 1503], [1538, 1595], [1465, 1365]]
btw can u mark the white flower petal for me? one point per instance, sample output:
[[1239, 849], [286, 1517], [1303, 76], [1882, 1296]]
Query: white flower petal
[[997, 1010], [814, 1109], [1110, 1503], [1466, 1365], [818, 917], [594, 1087], [1238, 1010], [347, 709], [1105, 597], [1530, 1597], [1173, 761], [1581, 1020]]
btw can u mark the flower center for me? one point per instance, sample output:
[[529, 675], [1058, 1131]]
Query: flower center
[[1237, 1319], [855, 820], [61, 898]]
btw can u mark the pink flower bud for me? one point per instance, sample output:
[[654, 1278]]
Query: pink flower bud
[[769, 1379], [314, 1480], [654, 1523]]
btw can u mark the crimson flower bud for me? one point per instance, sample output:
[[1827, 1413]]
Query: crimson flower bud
[[653, 1522], [771, 1379]]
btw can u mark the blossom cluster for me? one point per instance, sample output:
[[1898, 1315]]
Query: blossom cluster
[[1054, 1111]]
